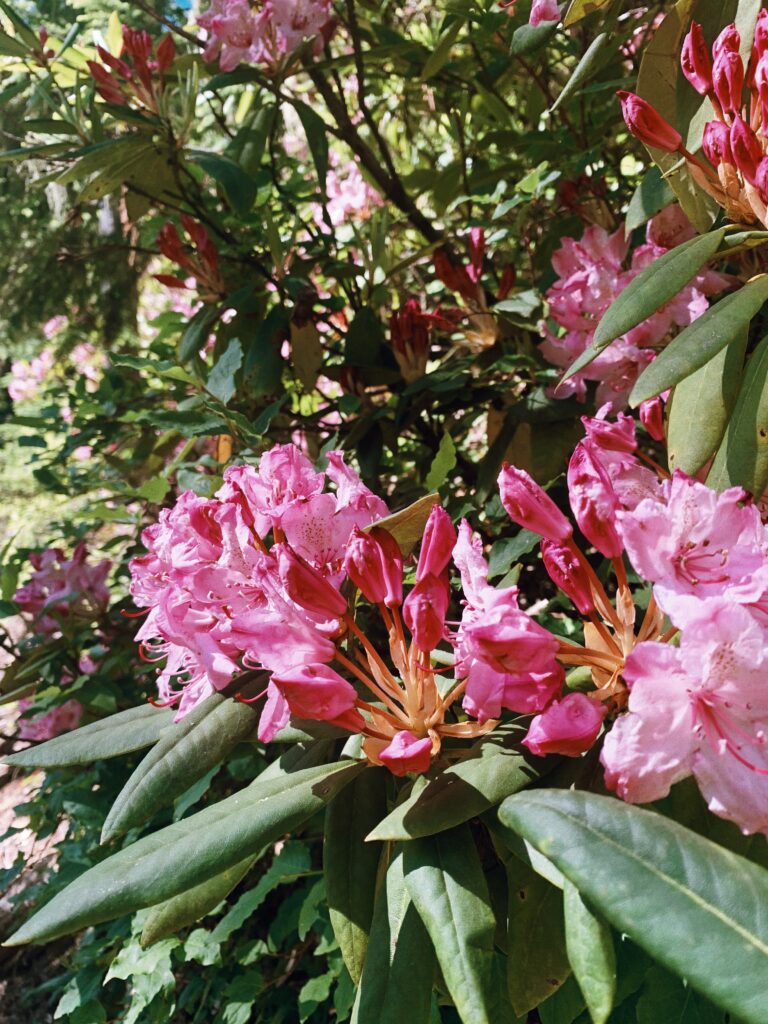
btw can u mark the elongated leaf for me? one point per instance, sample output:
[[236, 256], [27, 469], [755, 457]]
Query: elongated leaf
[[537, 964], [702, 340], [494, 771], [239, 188], [445, 880], [651, 196], [692, 438], [397, 975], [441, 54], [579, 9], [742, 459], [196, 333], [350, 864], [588, 63], [589, 943], [119, 734], [189, 852], [178, 912], [407, 525], [199, 742], [317, 140], [696, 908]]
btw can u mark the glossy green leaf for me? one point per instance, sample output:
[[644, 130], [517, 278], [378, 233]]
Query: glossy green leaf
[[589, 943], [196, 333], [742, 459], [119, 734], [317, 139], [529, 38], [189, 852], [442, 464], [441, 53], [399, 965], [586, 66], [178, 912], [444, 878], [692, 438], [221, 379], [702, 340], [350, 864], [579, 9], [239, 188], [666, 998], [537, 963], [494, 770], [695, 907], [650, 197]]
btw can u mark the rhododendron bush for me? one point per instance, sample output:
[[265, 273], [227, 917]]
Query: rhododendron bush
[[385, 589]]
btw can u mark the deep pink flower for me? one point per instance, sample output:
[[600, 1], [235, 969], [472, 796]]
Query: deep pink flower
[[544, 10], [568, 726], [407, 753], [424, 611], [652, 417], [593, 501], [647, 124], [746, 149], [529, 506], [698, 709], [716, 143], [49, 724], [695, 60], [308, 587], [375, 565], [566, 572], [728, 80], [728, 40], [437, 544], [316, 692]]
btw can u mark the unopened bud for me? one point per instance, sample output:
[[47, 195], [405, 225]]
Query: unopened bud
[[746, 149], [728, 40], [696, 61], [308, 587], [424, 611], [569, 726], [593, 501], [728, 80], [437, 544], [647, 124], [567, 573], [716, 143], [529, 506]]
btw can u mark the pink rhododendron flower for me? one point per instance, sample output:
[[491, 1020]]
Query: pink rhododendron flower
[[544, 10], [26, 377], [407, 753], [61, 588], [350, 198], [568, 726], [264, 34], [700, 708], [51, 723], [591, 274]]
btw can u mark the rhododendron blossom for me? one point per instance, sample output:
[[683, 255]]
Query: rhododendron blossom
[[592, 272], [61, 588], [41, 727], [264, 34], [26, 377]]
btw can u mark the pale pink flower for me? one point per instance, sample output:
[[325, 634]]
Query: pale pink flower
[[544, 10], [27, 377], [569, 726], [49, 724], [61, 588], [699, 709]]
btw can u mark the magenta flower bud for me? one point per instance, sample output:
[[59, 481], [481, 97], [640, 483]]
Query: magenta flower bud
[[647, 124], [728, 80], [761, 179], [437, 544], [316, 692], [568, 726], [746, 149], [696, 61], [307, 587], [652, 417], [716, 143], [424, 611], [529, 506], [566, 572], [728, 40], [375, 565], [407, 753], [593, 501], [761, 84], [761, 33]]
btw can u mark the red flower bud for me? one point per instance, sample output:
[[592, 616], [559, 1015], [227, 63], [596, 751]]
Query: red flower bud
[[746, 149], [566, 572], [728, 80], [761, 33], [169, 243], [729, 39], [375, 565], [761, 179], [528, 505], [437, 544], [137, 43], [696, 61], [647, 124], [652, 417], [761, 84], [424, 611], [166, 54], [307, 587], [716, 143], [454, 276], [593, 501]]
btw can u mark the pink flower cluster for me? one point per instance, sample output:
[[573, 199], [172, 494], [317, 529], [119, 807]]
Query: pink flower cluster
[[350, 198], [239, 33], [253, 579], [699, 707], [28, 376], [51, 723], [63, 588], [592, 272]]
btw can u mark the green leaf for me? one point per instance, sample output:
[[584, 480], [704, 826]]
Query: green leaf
[[579, 9], [196, 334], [692, 438], [442, 464], [655, 286], [239, 188], [317, 139], [589, 943], [189, 852], [695, 907], [364, 340], [588, 63], [537, 963], [441, 53], [154, 489], [493, 771], [119, 734], [350, 864], [201, 740], [399, 965], [529, 38], [666, 998], [703, 339], [221, 379], [742, 459], [445, 880], [651, 196], [170, 917]]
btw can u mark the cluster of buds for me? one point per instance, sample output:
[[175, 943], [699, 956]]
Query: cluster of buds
[[202, 263], [411, 332], [735, 142], [136, 75], [466, 281]]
